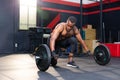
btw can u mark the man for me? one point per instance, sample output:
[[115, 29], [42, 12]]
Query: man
[[62, 36]]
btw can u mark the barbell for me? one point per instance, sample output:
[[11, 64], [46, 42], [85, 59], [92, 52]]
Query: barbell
[[102, 54], [44, 58]]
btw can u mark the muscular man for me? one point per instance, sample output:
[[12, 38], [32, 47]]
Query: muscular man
[[62, 36]]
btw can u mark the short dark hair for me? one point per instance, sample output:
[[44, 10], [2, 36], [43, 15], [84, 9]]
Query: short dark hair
[[72, 19]]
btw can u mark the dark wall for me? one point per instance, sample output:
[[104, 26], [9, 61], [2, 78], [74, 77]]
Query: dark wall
[[45, 17], [110, 18], [47, 11], [21, 37], [7, 26], [112, 25], [23, 41]]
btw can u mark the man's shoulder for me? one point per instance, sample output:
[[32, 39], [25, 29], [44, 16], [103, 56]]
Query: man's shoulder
[[62, 23], [75, 27], [59, 26], [76, 30]]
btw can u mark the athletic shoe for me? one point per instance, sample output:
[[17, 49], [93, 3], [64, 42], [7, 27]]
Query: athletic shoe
[[71, 64]]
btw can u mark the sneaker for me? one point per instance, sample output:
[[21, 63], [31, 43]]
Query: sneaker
[[71, 64]]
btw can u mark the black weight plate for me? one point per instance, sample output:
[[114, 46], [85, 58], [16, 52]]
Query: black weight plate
[[102, 55], [43, 57], [53, 62]]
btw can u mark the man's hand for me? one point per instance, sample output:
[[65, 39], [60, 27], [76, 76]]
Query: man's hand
[[88, 53], [54, 55]]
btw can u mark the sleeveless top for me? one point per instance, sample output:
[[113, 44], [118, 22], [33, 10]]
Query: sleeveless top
[[60, 37]]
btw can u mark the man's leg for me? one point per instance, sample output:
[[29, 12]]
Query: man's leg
[[70, 57], [71, 61], [72, 44]]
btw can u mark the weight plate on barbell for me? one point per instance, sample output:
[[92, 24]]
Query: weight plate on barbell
[[102, 55], [43, 57], [53, 62]]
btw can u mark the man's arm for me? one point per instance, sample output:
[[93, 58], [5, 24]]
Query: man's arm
[[79, 38], [54, 36]]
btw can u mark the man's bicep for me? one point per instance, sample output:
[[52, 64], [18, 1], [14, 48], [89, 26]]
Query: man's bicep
[[56, 32], [77, 32], [78, 35]]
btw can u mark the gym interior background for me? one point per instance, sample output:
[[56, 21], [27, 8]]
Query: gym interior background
[[17, 17]]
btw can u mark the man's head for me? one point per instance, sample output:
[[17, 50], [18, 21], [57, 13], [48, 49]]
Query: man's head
[[71, 21]]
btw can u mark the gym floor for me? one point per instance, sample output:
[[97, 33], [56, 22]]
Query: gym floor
[[23, 67]]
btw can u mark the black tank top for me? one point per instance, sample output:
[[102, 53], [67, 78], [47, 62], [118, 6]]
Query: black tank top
[[63, 38]]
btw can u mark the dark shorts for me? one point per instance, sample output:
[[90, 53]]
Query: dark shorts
[[69, 42]]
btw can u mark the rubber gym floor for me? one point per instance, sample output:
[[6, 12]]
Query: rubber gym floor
[[22, 67]]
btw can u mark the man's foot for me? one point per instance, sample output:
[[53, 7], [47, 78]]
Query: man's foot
[[72, 64]]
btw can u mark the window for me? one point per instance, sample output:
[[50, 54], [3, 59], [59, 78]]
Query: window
[[27, 14]]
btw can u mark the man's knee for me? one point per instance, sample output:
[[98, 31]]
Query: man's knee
[[70, 54], [73, 44], [73, 40]]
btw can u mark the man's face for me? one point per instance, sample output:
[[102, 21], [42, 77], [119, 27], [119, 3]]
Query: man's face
[[70, 25]]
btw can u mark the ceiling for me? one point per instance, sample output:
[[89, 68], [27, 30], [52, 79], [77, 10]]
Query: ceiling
[[83, 1]]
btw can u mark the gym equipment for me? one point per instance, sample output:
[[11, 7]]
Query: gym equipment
[[38, 35], [44, 58], [53, 62], [102, 55]]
